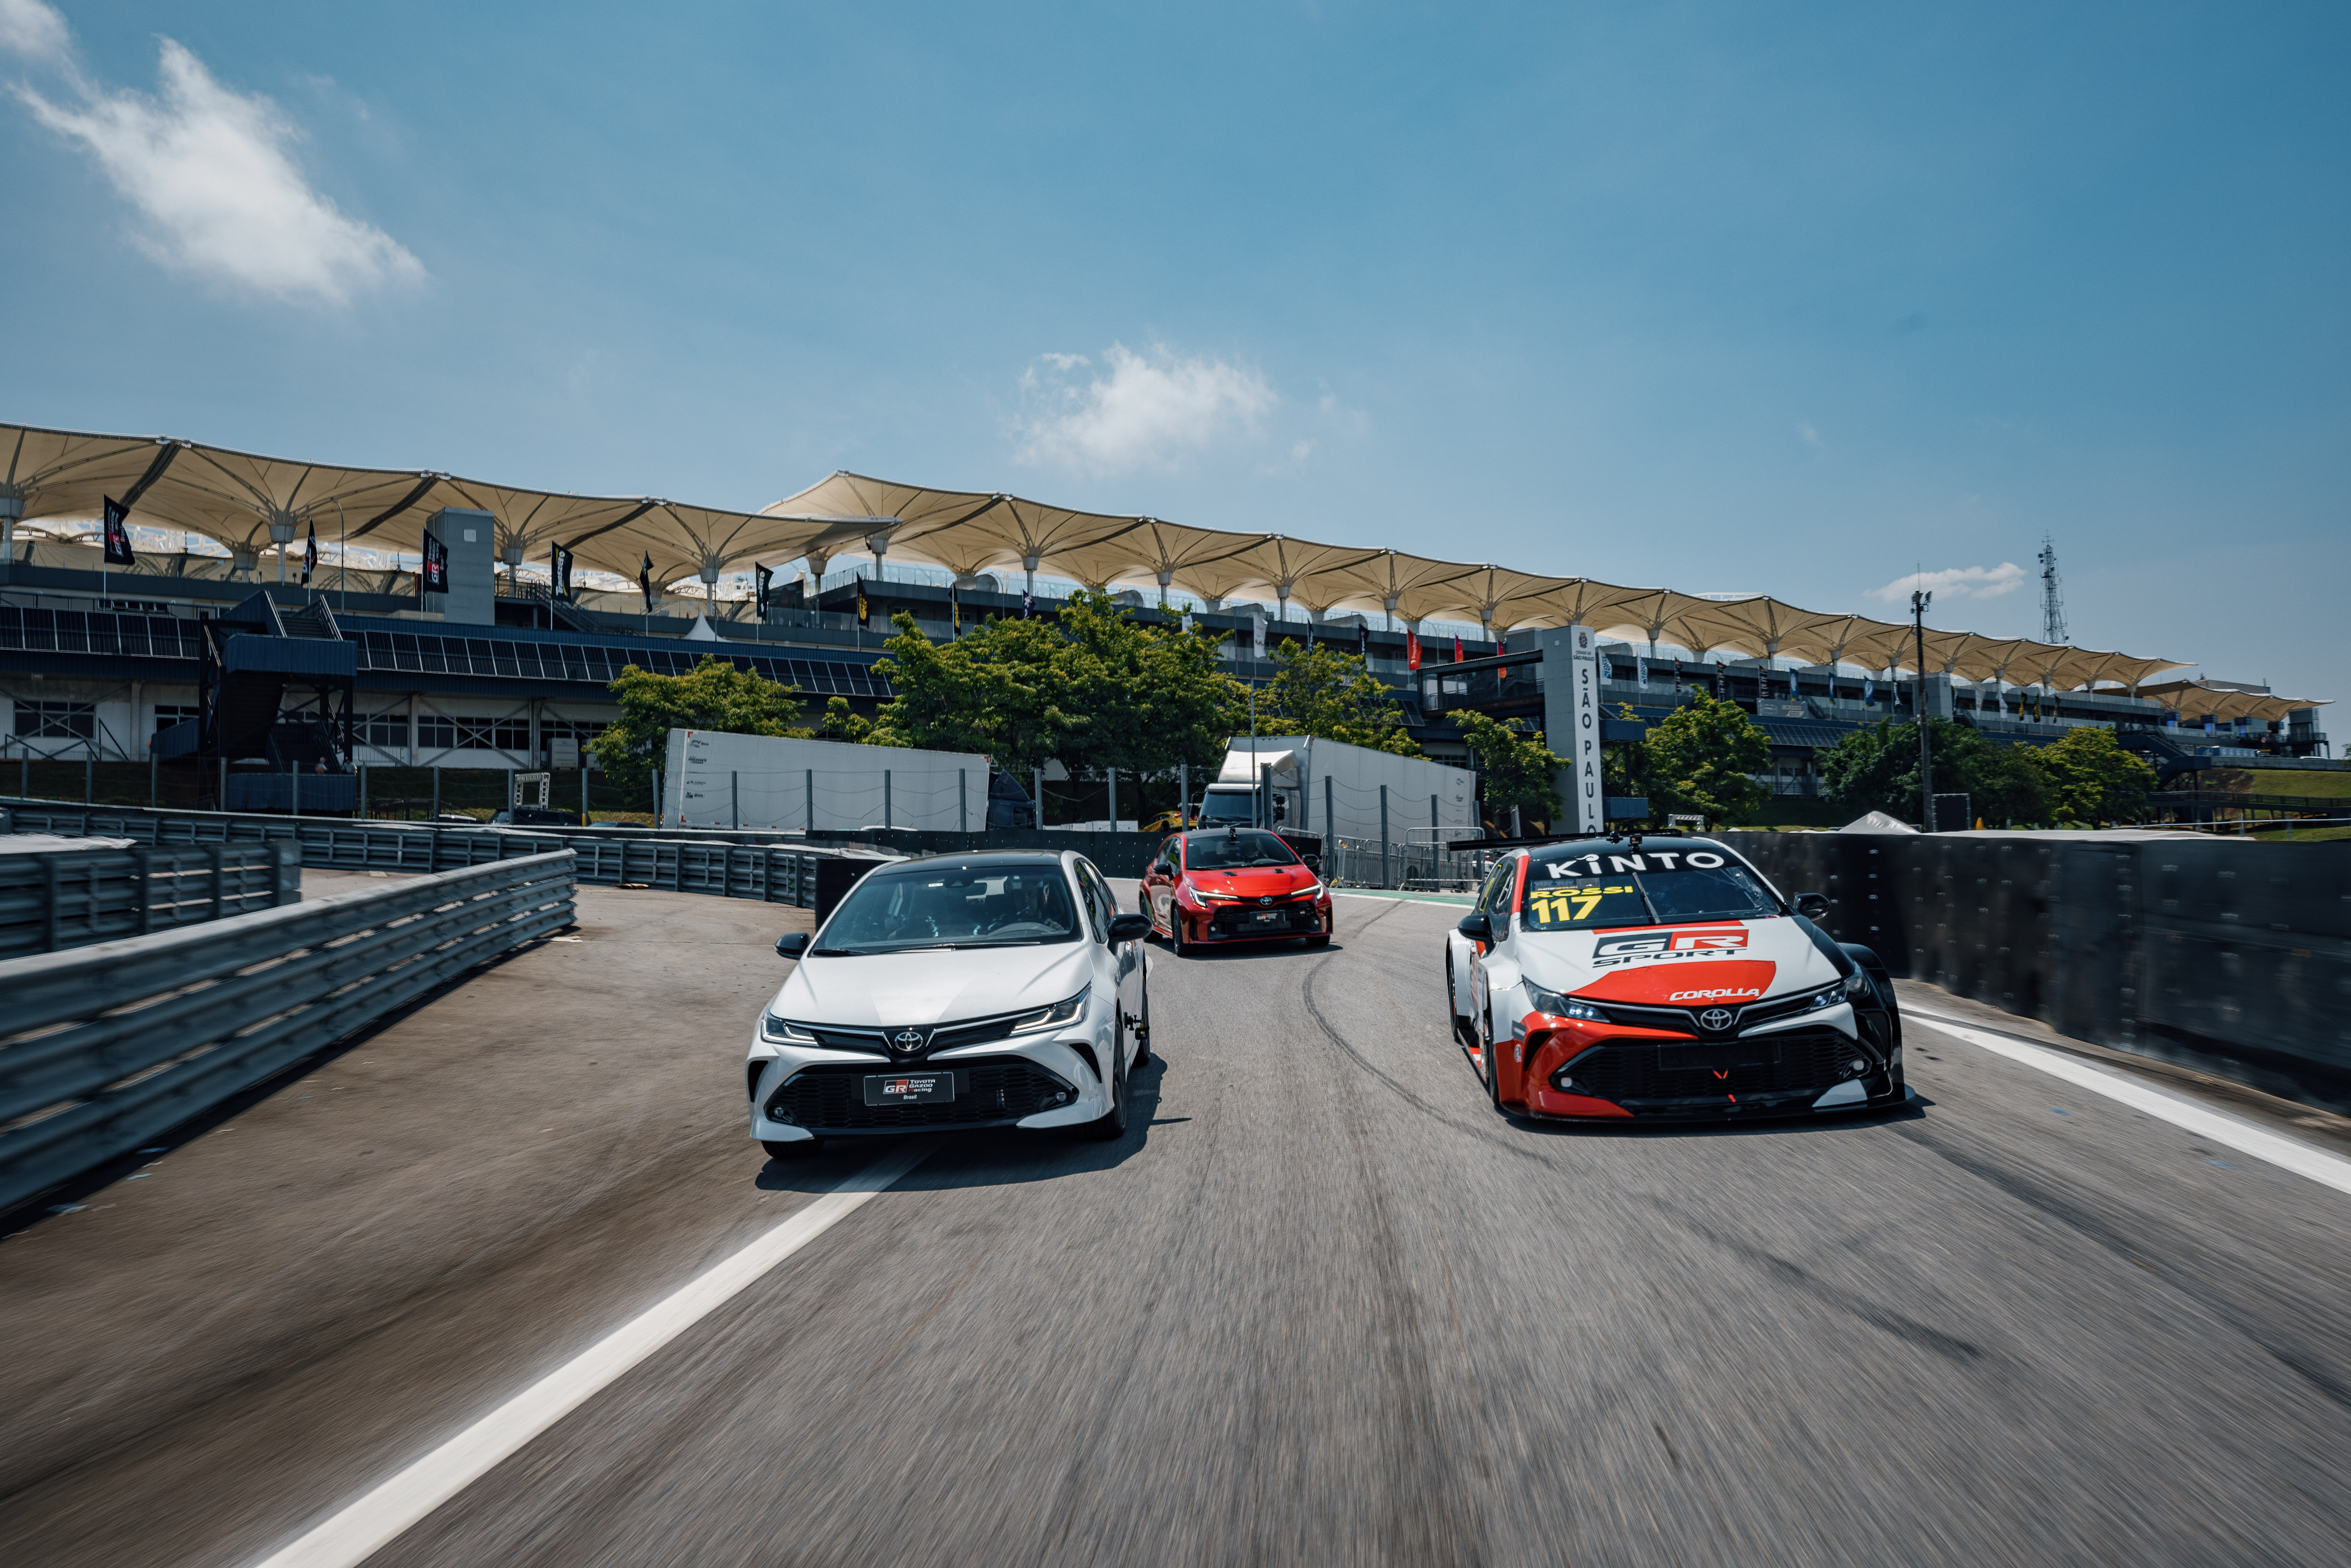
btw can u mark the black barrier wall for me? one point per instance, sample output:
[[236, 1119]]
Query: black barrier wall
[[2231, 958]]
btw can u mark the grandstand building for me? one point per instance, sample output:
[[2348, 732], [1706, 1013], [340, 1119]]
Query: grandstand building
[[215, 649]]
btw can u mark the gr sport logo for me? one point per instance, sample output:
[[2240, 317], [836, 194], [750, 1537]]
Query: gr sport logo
[[1720, 994], [1697, 942]]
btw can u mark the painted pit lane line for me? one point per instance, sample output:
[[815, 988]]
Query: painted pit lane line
[[378, 1516], [2286, 1154]]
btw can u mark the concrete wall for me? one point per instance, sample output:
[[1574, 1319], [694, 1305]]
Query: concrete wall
[[2230, 957]]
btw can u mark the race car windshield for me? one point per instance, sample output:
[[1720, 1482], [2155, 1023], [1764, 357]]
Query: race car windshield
[[1235, 850], [1017, 906], [1642, 889]]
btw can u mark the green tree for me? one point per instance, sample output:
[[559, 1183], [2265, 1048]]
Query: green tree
[[1152, 697], [2092, 780], [1330, 695], [843, 723], [1002, 689], [1514, 768], [1698, 759], [1095, 689], [715, 695], [1876, 770]]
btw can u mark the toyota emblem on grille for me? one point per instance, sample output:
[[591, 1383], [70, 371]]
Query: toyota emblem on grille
[[1715, 1019], [1265, 901], [907, 1042]]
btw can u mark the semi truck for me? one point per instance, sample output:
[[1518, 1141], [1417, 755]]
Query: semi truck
[[1303, 787]]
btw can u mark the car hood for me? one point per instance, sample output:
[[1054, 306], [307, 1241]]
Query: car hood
[[1253, 882], [936, 986], [1690, 964]]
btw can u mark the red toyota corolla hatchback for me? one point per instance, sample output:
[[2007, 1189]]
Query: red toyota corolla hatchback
[[1234, 884]]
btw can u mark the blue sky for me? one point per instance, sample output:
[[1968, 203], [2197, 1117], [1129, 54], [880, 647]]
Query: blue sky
[[1787, 298]]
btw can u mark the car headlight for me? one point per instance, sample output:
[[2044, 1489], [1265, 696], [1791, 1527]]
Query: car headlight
[[784, 1030], [1855, 983], [1829, 996], [1213, 897], [1060, 1013], [1552, 1002]]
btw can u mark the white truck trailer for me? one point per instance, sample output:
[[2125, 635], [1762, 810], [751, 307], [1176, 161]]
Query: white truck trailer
[[1308, 788], [715, 780]]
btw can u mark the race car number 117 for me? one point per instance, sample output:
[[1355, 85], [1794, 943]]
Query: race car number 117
[[1583, 901]]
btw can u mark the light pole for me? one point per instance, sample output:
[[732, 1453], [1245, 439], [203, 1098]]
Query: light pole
[[1918, 603]]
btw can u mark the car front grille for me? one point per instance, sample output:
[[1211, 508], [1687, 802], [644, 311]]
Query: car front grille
[[1686, 1018], [829, 1097], [1811, 1060], [1241, 919]]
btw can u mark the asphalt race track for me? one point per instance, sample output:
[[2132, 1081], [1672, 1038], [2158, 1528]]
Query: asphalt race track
[[1326, 1307]]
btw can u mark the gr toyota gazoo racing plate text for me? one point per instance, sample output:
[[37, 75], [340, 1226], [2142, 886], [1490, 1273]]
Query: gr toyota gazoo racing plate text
[[1664, 978]]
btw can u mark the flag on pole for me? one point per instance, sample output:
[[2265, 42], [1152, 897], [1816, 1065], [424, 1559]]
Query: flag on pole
[[1411, 651], [1641, 674], [864, 610], [1364, 640], [955, 610], [1868, 689], [763, 581], [118, 534], [1257, 639], [1029, 603], [1457, 650], [434, 576], [559, 564], [310, 555], [645, 580]]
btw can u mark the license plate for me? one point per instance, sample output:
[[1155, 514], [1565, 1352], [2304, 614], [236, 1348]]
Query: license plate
[[910, 1089], [1718, 1056], [1270, 916]]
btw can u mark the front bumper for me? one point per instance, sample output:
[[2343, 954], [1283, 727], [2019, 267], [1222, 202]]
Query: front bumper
[[1579, 1071], [1240, 921], [814, 1094]]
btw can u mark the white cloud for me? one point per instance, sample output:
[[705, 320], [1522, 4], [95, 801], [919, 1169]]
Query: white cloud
[[210, 171], [1955, 583], [29, 28], [1147, 411]]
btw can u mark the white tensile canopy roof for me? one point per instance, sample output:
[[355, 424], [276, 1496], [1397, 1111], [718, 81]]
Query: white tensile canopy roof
[[253, 504], [968, 532], [2223, 702]]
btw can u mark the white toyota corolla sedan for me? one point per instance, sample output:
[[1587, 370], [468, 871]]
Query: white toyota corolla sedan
[[974, 991]]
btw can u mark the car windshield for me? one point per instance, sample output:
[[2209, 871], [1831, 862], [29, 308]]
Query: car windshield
[[1586, 890], [1234, 849], [951, 906]]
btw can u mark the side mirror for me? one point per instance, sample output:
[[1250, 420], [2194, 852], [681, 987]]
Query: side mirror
[[1477, 927], [1129, 927], [1812, 905], [792, 944]]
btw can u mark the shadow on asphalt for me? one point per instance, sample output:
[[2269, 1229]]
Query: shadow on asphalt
[[1913, 1109], [985, 1156]]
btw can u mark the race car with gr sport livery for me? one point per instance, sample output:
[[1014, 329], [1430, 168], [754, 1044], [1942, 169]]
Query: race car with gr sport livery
[[1653, 979]]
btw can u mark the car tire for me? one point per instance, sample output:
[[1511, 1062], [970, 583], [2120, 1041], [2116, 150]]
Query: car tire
[[1111, 1125], [1491, 1053], [1175, 943], [797, 1148]]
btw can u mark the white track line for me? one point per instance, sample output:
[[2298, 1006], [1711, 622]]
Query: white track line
[[2286, 1154], [356, 1531]]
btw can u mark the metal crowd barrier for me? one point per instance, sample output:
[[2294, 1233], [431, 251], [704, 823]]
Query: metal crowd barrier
[[725, 865], [105, 1047], [67, 898]]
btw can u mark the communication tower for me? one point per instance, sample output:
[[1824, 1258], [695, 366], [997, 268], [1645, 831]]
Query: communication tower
[[2053, 598]]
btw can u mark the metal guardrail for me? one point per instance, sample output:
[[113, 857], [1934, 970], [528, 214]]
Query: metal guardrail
[[105, 1047], [67, 898], [725, 865]]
